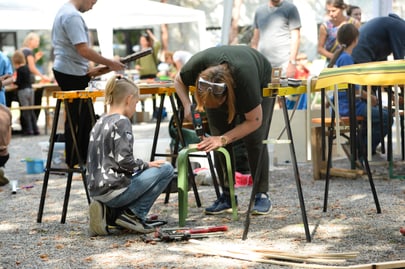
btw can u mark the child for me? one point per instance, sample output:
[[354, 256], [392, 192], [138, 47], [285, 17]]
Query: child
[[347, 37], [122, 187], [25, 94]]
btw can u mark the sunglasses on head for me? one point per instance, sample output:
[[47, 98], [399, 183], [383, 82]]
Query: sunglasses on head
[[212, 87]]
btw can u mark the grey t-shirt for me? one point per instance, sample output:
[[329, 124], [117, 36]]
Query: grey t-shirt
[[275, 24], [69, 29]]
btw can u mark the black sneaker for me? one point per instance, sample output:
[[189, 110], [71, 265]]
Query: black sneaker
[[132, 222], [262, 205], [222, 205], [98, 219]]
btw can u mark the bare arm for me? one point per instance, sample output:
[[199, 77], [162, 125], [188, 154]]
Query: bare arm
[[321, 43], [253, 121], [182, 92], [6, 80], [294, 47], [84, 50], [255, 38], [33, 69]]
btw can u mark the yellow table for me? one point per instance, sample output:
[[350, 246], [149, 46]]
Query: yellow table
[[384, 73]]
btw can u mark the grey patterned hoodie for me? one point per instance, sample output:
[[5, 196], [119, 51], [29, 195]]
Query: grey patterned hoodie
[[111, 162]]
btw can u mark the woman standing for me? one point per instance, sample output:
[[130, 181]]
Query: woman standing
[[31, 43], [327, 43]]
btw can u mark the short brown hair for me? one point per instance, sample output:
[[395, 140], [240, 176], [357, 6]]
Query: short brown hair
[[18, 58]]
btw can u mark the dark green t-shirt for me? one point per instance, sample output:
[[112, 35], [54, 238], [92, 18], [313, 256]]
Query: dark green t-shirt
[[251, 72]]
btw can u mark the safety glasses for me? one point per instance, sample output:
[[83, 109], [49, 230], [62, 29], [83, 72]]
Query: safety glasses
[[212, 87]]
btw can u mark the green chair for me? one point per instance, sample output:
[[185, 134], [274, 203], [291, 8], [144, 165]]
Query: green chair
[[182, 182]]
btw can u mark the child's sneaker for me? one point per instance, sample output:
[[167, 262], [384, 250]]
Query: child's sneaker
[[98, 219], [132, 222]]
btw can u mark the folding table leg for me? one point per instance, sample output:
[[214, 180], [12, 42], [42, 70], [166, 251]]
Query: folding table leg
[[296, 174], [48, 162]]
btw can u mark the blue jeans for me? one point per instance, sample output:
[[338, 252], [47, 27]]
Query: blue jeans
[[143, 190], [376, 136]]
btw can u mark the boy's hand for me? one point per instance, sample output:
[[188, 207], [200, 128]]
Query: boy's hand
[[157, 163]]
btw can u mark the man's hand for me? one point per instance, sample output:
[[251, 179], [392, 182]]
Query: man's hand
[[98, 71]]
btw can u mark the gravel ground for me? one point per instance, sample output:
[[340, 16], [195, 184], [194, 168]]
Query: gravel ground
[[351, 223]]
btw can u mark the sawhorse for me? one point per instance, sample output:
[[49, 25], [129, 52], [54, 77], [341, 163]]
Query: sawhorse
[[268, 93], [85, 97]]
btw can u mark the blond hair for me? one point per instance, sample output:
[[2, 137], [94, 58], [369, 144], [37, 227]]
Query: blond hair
[[118, 88], [29, 37]]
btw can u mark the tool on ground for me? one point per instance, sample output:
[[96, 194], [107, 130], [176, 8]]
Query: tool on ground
[[184, 234]]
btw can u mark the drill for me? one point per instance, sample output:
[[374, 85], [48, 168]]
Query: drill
[[197, 121]]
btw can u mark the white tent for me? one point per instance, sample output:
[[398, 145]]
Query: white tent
[[105, 16]]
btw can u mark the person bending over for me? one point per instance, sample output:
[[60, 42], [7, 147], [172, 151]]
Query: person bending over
[[229, 82]]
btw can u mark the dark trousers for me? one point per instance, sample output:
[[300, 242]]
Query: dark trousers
[[81, 116], [3, 160], [217, 120]]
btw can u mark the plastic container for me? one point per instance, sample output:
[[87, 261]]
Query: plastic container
[[34, 166], [58, 156]]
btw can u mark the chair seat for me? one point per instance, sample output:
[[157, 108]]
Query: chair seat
[[343, 120]]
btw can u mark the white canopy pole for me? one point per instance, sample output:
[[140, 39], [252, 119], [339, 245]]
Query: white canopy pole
[[226, 22]]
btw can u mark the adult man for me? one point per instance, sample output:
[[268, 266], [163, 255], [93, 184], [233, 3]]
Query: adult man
[[230, 80], [379, 37], [70, 40], [277, 35]]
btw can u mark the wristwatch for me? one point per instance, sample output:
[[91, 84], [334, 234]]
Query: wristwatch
[[293, 62], [224, 141]]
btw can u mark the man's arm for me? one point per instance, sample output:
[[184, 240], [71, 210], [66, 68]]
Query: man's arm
[[255, 38], [294, 47], [85, 51]]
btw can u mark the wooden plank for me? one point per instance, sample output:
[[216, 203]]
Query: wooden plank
[[31, 107], [380, 265], [316, 151], [343, 173]]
